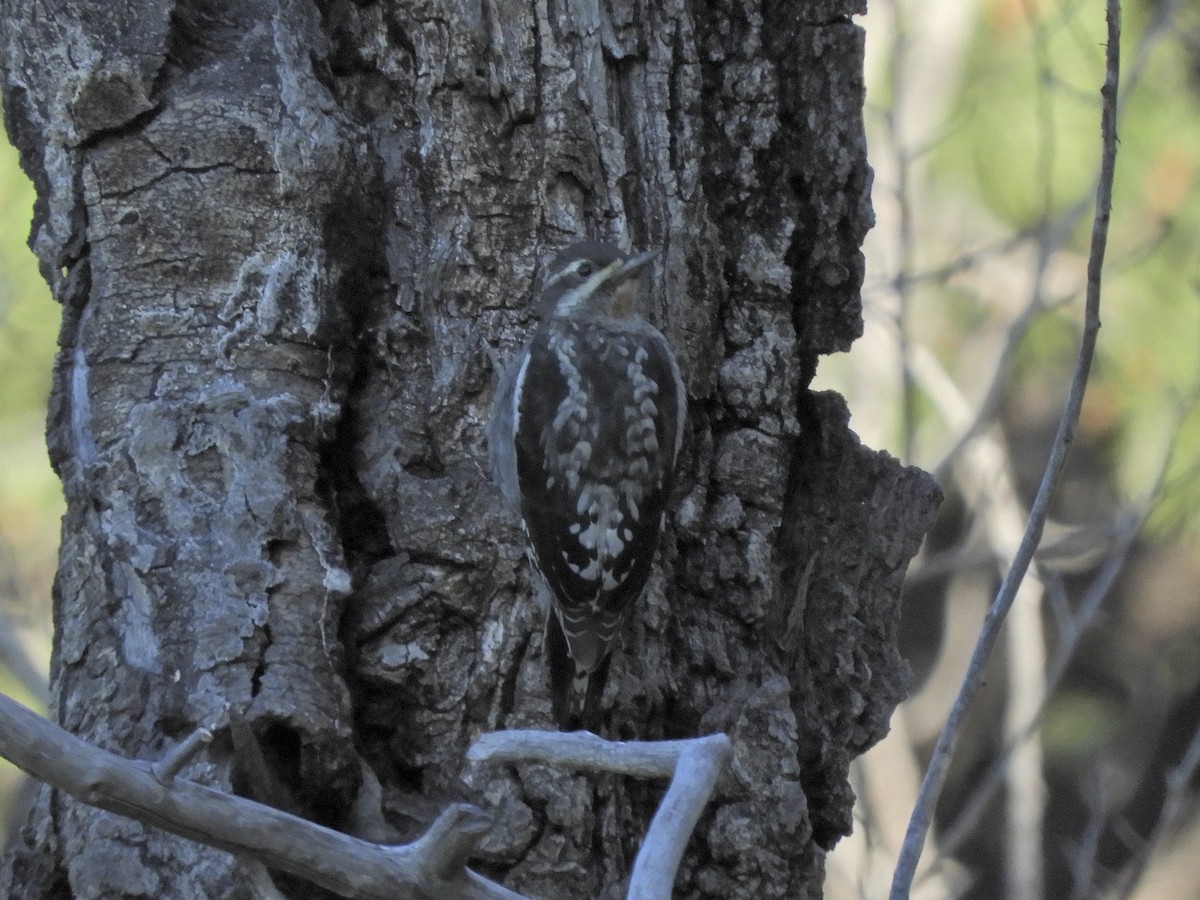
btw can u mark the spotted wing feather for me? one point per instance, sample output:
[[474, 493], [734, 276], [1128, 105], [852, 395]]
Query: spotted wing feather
[[599, 420]]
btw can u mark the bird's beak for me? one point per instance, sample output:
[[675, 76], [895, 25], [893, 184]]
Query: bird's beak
[[633, 267]]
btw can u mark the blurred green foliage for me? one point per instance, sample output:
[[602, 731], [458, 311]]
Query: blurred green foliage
[[983, 124], [30, 498], [28, 318], [1023, 140], [1078, 726]]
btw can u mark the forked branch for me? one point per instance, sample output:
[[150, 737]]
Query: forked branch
[[433, 866], [345, 865], [694, 766]]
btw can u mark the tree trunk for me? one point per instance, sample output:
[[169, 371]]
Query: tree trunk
[[294, 246]]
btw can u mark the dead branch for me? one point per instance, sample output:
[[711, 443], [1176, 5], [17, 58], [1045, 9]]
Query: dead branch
[[431, 867], [694, 766]]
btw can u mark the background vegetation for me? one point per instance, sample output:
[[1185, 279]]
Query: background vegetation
[[30, 499], [983, 120], [983, 117]]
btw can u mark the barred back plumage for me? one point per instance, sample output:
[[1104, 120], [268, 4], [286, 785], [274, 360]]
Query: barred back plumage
[[595, 414]]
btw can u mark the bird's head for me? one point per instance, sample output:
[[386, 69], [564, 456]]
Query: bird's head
[[593, 278]]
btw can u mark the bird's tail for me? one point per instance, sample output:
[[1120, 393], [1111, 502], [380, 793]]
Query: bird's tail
[[574, 691]]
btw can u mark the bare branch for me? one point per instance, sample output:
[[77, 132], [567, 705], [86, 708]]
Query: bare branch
[[1083, 866], [180, 755], [434, 866], [451, 838], [695, 780], [694, 767], [939, 764], [338, 862], [584, 750]]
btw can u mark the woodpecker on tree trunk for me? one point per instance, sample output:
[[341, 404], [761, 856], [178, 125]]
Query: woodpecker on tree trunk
[[583, 437]]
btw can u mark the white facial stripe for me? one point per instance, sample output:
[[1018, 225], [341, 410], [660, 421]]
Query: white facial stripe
[[518, 386], [556, 278], [572, 298]]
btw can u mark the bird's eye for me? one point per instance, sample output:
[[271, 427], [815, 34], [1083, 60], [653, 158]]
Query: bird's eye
[[584, 269]]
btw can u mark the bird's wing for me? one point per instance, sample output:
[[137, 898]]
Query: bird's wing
[[596, 438]]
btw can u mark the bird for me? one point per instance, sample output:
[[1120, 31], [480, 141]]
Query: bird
[[584, 437]]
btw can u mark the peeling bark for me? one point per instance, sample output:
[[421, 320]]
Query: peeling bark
[[293, 246]]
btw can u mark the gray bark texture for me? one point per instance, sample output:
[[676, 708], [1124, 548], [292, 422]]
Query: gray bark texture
[[294, 245]]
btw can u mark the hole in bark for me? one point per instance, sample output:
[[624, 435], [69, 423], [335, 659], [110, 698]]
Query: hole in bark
[[410, 779], [175, 727], [267, 764], [281, 748]]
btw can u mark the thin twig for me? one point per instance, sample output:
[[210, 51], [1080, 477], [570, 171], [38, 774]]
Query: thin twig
[[939, 764], [1071, 626], [1083, 864], [1178, 780], [1073, 632], [987, 481]]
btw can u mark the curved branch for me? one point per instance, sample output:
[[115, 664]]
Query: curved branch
[[694, 767], [695, 779]]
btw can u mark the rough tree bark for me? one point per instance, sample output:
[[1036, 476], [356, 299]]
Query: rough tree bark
[[293, 244]]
